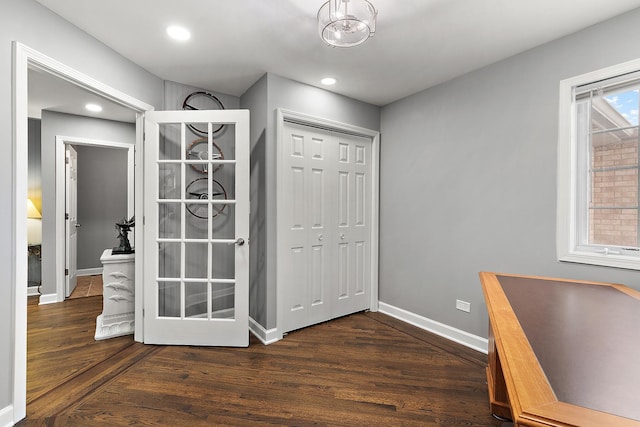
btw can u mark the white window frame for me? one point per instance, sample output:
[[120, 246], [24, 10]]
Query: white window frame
[[567, 245]]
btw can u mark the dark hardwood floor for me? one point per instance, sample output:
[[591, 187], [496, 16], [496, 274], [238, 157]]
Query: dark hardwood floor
[[365, 369]]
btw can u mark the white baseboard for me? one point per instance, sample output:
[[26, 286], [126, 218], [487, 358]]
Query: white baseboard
[[48, 299], [457, 335], [6, 416], [89, 271], [266, 336], [32, 291]]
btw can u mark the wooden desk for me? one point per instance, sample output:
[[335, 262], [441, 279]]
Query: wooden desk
[[563, 352]]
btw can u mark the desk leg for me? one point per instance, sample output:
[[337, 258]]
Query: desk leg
[[498, 398]]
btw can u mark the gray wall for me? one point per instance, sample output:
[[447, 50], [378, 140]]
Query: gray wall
[[175, 93], [295, 96], [255, 99], [54, 124], [55, 37], [468, 178], [102, 200]]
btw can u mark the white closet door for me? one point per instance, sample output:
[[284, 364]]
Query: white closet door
[[351, 251], [324, 226], [306, 155]]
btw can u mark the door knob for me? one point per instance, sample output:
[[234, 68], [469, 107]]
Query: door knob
[[239, 241], [320, 237], [78, 225], [341, 236]]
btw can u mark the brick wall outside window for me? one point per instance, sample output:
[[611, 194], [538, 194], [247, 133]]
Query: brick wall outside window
[[614, 187]]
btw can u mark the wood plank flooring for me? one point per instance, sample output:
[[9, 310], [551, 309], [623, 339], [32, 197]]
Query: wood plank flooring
[[87, 286], [365, 369]]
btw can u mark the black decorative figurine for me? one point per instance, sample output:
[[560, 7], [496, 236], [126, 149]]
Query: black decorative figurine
[[123, 228]]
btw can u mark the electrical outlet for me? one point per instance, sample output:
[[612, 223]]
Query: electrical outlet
[[463, 305]]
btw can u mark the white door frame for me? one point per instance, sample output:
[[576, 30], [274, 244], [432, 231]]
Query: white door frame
[[61, 142], [283, 115], [24, 58]]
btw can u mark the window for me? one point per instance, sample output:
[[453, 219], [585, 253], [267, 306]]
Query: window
[[598, 179]]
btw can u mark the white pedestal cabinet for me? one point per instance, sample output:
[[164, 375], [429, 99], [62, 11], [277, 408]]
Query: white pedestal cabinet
[[118, 311]]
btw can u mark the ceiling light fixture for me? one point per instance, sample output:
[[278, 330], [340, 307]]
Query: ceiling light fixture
[[178, 33], [328, 81], [346, 23], [93, 107]]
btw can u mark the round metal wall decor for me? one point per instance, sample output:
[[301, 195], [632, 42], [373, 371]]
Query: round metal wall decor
[[198, 150], [202, 100], [198, 190]]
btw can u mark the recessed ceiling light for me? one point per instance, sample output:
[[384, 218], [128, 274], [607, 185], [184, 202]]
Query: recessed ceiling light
[[328, 81], [178, 33], [93, 107]]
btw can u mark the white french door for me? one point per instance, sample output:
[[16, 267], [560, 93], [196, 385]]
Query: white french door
[[196, 227]]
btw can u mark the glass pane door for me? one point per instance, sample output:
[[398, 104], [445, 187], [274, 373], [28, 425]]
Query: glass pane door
[[200, 220]]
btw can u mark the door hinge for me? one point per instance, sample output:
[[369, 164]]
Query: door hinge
[[66, 160], [66, 271], [66, 216]]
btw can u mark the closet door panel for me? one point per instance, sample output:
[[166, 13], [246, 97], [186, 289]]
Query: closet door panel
[[306, 265], [352, 257]]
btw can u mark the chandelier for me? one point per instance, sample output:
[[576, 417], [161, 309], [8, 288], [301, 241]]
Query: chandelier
[[346, 23]]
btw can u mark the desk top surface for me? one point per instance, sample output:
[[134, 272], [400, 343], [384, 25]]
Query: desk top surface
[[586, 338]]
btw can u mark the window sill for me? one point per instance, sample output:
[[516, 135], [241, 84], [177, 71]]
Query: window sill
[[610, 260]]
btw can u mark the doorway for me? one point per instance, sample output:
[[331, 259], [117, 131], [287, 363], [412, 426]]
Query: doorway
[[62, 223], [26, 58]]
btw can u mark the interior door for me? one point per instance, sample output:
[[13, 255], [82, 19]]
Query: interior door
[[324, 225], [196, 227], [71, 219]]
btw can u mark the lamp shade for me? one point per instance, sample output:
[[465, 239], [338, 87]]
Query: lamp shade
[[34, 224], [346, 23], [32, 211]]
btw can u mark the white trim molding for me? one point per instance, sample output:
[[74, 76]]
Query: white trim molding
[[48, 299], [90, 271], [267, 336], [456, 335], [6, 416]]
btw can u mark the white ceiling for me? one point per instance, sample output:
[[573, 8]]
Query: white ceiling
[[47, 92], [418, 43]]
